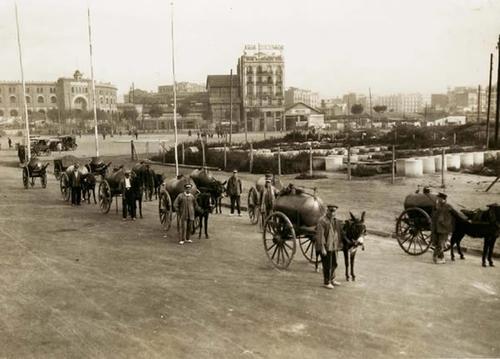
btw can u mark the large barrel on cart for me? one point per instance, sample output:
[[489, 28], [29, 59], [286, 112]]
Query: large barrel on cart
[[169, 190], [294, 217], [109, 187], [33, 169]]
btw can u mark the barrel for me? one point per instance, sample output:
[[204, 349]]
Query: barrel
[[478, 158], [302, 209], [334, 163], [429, 165], [466, 160], [413, 168], [174, 186]]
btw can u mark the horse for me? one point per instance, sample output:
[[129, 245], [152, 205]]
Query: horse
[[205, 206], [149, 183], [216, 188], [88, 185], [353, 232], [480, 224], [158, 180], [140, 177]]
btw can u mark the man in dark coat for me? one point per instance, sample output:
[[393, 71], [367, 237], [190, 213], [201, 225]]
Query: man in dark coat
[[234, 190], [128, 196], [442, 226], [75, 181], [328, 243]]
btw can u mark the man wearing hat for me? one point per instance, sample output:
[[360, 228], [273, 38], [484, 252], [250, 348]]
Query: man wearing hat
[[328, 242], [442, 226], [267, 198], [234, 190], [128, 196], [185, 206], [75, 181]]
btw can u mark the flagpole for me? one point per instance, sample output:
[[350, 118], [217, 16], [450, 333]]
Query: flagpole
[[28, 143], [94, 102], [175, 93]]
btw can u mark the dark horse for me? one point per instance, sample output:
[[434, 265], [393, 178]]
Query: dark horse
[[480, 224], [141, 177], [203, 179], [88, 186], [205, 206]]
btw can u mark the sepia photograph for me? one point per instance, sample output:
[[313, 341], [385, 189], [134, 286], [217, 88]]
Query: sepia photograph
[[249, 179]]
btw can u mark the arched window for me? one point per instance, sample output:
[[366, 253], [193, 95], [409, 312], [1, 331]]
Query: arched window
[[13, 99], [53, 99], [107, 101], [29, 112], [101, 100], [40, 99], [1, 113], [13, 113], [249, 70], [259, 69], [28, 99]]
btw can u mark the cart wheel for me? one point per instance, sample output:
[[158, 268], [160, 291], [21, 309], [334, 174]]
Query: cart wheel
[[44, 180], [253, 208], [25, 178], [413, 231], [279, 240], [64, 186], [104, 195], [308, 248], [165, 210]]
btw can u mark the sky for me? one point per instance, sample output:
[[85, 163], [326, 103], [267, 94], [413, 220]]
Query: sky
[[330, 46]]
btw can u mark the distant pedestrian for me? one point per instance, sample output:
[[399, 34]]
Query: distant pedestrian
[[10, 142], [328, 243], [185, 205], [234, 190], [75, 181], [136, 135], [442, 226], [189, 133]]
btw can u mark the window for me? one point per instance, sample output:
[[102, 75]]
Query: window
[[12, 90], [53, 99], [13, 113], [28, 99], [41, 111], [29, 112], [39, 90], [40, 99], [107, 101], [72, 90], [13, 99]]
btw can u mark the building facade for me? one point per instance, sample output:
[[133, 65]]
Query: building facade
[[66, 94], [221, 94], [261, 71], [402, 103], [295, 95]]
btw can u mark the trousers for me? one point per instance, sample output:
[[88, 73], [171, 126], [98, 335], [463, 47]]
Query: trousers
[[439, 242], [76, 195], [235, 202], [329, 263], [186, 226]]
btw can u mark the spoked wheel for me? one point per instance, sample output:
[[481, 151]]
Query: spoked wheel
[[105, 198], [64, 186], [413, 231], [253, 208], [165, 210], [25, 178], [43, 179], [308, 248], [279, 240]]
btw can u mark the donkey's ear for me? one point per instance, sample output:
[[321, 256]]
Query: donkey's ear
[[363, 216], [352, 216]]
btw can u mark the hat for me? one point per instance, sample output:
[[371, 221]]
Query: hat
[[332, 206], [442, 195], [235, 171], [268, 180], [188, 185]]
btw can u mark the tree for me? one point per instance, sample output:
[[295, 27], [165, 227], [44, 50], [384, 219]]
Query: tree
[[130, 114], [357, 109], [379, 109], [155, 111]]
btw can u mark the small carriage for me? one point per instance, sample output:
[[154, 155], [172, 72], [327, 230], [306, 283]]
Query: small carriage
[[294, 216], [40, 146], [68, 143], [33, 169], [255, 193], [169, 191]]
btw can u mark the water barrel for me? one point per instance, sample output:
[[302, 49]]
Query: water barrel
[[453, 161], [478, 158], [437, 163], [413, 168], [428, 164], [334, 163], [466, 159], [400, 167], [302, 209]]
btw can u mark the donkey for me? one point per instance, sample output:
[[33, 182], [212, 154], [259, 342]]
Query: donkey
[[354, 230], [204, 208], [88, 186], [158, 180], [481, 224]]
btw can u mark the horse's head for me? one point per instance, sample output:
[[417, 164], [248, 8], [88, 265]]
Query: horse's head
[[494, 213], [355, 230]]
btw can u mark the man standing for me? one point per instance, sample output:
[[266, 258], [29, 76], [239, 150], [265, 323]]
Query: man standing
[[234, 190], [328, 242], [75, 181], [10, 143], [185, 206], [128, 196], [267, 198], [442, 226]]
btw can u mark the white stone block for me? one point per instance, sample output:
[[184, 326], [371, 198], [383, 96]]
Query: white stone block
[[400, 167], [453, 161], [414, 168], [466, 159], [478, 158], [334, 163], [428, 164]]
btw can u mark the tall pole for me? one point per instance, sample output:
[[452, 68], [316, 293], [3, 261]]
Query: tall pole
[[94, 102], [231, 107], [370, 92], [497, 115], [175, 93], [28, 144], [478, 102], [489, 105]]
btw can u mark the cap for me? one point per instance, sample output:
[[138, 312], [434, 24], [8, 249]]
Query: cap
[[235, 171], [268, 180], [332, 206], [442, 195], [188, 185]]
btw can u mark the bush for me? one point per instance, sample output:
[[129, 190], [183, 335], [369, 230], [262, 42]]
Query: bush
[[366, 171]]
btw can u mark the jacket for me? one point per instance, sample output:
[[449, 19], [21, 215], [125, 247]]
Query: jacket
[[185, 206], [328, 234], [234, 186], [74, 179], [442, 219]]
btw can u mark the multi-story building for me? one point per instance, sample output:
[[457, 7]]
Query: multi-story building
[[439, 102], [261, 71], [222, 94], [70, 94], [295, 95], [403, 103], [465, 99]]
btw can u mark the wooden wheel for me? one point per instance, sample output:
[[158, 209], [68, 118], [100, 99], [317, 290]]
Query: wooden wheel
[[25, 178], [308, 248], [253, 206], [279, 240], [165, 210], [64, 186], [413, 231], [105, 197], [43, 179]]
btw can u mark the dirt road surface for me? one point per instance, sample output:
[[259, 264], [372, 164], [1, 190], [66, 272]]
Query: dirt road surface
[[75, 283]]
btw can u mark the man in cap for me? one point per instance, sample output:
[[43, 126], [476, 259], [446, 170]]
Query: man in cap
[[234, 190], [442, 226], [128, 196], [328, 242], [75, 181], [185, 206], [267, 199]]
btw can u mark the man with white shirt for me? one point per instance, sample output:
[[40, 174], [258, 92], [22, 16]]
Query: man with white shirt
[[76, 185], [128, 198]]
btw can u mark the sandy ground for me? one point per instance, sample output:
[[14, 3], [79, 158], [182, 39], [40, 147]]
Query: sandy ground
[[78, 284]]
